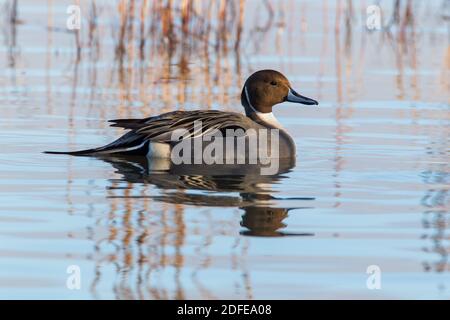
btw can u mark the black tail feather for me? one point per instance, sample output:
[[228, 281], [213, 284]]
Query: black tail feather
[[128, 123], [138, 147], [76, 153]]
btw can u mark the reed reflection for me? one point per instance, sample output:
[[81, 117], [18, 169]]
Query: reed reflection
[[153, 245], [436, 204]]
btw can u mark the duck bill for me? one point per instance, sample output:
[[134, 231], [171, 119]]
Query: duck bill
[[293, 96]]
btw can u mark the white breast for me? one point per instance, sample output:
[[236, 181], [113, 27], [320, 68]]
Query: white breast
[[270, 119]]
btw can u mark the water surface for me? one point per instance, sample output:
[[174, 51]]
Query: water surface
[[370, 185]]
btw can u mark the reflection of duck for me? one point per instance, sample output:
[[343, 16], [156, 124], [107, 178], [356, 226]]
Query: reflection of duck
[[255, 199], [227, 178], [266, 221], [155, 136]]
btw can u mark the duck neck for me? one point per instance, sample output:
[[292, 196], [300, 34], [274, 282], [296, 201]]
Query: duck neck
[[266, 119]]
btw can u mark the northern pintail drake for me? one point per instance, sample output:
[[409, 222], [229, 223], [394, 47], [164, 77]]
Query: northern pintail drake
[[153, 136]]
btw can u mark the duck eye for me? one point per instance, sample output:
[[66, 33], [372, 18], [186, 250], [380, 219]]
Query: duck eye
[[274, 83]]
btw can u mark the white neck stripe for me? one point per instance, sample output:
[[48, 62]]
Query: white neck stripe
[[268, 118], [248, 99]]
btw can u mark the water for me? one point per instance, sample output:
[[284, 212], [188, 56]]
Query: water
[[370, 185]]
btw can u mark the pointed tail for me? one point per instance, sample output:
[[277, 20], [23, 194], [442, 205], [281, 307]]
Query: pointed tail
[[128, 144], [77, 153]]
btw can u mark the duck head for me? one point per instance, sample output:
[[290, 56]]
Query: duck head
[[266, 88]]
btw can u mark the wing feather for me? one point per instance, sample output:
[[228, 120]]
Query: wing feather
[[160, 129]]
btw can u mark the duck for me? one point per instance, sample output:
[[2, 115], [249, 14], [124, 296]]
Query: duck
[[153, 136]]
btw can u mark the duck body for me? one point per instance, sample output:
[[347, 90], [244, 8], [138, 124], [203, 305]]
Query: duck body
[[153, 136], [183, 132]]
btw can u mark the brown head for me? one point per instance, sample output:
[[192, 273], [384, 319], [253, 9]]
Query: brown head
[[266, 88]]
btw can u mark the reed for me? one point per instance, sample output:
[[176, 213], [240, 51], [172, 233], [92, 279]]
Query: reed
[[169, 25], [10, 20]]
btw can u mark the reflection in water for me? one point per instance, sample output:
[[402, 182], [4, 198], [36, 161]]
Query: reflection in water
[[266, 222], [254, 189], [436, 202], [162, 232], [160, 235], [11, 20]]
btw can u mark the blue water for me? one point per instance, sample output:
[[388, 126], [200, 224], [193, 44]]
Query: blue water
[[370, 185]]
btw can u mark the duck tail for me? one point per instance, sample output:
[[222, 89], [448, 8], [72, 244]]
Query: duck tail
[[139, 149], [129, 144], [86, 152]]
